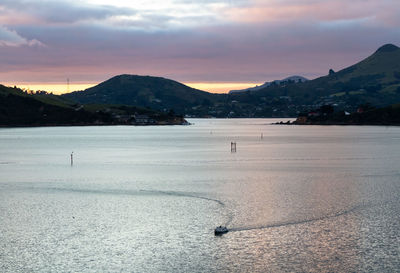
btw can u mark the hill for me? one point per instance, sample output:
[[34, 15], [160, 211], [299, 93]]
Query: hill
[[375, 80], [295, 79], [145, 91], [18, 108]]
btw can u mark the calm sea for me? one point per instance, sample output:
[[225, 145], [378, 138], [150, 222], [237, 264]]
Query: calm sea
[[147, 199]]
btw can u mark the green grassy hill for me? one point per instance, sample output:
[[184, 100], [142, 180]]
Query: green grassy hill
[[383, 65], [375, 80]]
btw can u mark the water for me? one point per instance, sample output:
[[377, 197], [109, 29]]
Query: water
[[147, 199]]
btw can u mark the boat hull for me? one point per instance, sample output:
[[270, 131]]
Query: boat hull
[[220, 230]]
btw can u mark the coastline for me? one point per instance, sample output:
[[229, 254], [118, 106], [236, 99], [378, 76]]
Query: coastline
[[157, 123], [332, 123]]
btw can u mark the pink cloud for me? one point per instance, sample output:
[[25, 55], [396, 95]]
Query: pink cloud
[[260, 41], [313, 10]]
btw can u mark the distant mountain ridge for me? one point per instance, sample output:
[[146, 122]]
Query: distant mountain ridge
[[296, 79], [383, 65], [374, 80]]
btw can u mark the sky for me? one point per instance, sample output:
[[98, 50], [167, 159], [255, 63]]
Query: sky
[[214, 45]]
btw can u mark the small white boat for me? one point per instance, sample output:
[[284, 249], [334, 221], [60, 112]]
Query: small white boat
[[220, 230]]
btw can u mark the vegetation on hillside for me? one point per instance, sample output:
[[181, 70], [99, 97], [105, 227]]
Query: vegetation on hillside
[[375, 80], [19, 108], [365, 115], [145, 91]]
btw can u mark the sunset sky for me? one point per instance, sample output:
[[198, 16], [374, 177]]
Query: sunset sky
[[215, 45]]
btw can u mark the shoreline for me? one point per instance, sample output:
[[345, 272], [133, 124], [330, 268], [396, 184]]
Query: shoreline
[[185, 123], [336, 124]]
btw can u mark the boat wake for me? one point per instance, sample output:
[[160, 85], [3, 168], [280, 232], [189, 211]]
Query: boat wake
[[229, 215], [129, 192], [301, 221], [120, 192], [183, 194], [192, 195]]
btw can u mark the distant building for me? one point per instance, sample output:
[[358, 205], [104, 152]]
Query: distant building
[[142, 119], [301, 120], [314, 114]]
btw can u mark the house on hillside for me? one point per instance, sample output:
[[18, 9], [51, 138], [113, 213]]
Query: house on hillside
[[144, 120], [301, 120], [314, 114]]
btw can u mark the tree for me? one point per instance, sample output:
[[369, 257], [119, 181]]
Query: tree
[[206, 102], [171, 112], [327, 109], [366, 107]]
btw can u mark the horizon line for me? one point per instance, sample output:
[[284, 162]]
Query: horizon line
[[62, 88]]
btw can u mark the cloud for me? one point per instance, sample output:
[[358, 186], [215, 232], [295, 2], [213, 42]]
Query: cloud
[[139, 14], [187, 40], [219, 53], [53, 12], [13, 39], [258, 11]]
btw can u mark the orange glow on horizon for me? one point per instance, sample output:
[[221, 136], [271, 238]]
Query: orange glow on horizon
[[55, 88], [220, 87], [60, 88]]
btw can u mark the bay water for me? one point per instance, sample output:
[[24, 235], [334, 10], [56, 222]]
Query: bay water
[[147, 199]]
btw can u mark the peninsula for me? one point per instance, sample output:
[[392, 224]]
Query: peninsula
[[19, 108]]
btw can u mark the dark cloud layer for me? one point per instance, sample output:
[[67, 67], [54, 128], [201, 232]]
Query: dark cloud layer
[[50, 11]]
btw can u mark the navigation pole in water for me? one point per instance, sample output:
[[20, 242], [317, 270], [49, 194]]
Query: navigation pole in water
[[233, 147], [72, 158]]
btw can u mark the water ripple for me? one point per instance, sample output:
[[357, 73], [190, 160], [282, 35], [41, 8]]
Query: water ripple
[[303, 221]]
